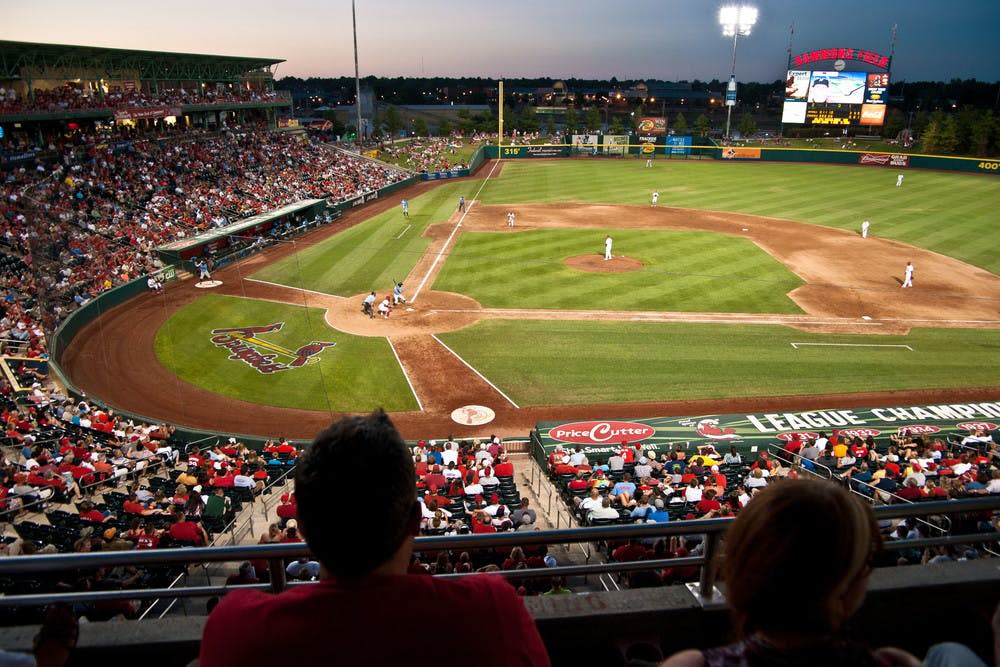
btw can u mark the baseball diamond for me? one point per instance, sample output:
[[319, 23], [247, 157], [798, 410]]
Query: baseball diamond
[[694, 314]]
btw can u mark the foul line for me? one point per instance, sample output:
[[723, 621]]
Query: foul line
[[405, 229], [797, 345], [447, 242], [294, 289], [481, 376], [405, 374]]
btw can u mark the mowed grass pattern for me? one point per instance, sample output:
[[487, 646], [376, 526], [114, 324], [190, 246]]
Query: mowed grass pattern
[[367, 256], [950, 213], [354, 375], [559, 362], [682, 271]]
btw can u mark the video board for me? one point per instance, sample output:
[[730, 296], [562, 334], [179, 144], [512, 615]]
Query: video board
[[835, 98]]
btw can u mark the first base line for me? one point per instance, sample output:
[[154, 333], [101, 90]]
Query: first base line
[[797, 345]]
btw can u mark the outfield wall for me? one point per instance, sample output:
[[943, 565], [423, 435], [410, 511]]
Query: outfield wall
[[749, 153]]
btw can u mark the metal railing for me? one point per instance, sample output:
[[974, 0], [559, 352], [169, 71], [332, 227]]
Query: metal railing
[[275, 554]]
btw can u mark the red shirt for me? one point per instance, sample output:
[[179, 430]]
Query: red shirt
[[133, 507], [92, 515], [505, 469], [186, 531], [340, 622]]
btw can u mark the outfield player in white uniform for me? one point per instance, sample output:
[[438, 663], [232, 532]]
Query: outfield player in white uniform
[[864, 229], [908, 275], [656, 198], [899, 181], [405, 205], [607, 248]]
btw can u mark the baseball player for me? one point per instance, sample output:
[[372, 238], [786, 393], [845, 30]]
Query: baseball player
[[461, 204], [203, 273], [384, 309], [607, 248], [899, 180], [649, 161], [864, 229], [405, 204], [397, 294], [908, 275], [510, 218], [656, 198]]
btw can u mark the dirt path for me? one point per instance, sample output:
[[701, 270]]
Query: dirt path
[[852, 286]]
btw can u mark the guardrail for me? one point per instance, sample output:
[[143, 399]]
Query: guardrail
[[704, 590]]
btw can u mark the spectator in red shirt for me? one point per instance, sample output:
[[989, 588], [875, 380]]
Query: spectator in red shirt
[[188, 532]]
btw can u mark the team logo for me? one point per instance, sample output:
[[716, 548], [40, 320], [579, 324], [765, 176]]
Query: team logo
[[261, 355], [591, 433], [709, 428]]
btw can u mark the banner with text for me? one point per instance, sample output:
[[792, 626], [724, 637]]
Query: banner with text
[[750, 432]]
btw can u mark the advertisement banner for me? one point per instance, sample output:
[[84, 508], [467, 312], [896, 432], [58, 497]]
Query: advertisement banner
[[740, 153], [440, 175], [614, 144], [133, 113], [24, 156], [535, 151], [585, 143], [652, 125], [884, 160], [679, 145], [750, 432], [872, 114]]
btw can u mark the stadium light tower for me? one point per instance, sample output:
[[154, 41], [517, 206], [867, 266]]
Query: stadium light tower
[[736, 20]]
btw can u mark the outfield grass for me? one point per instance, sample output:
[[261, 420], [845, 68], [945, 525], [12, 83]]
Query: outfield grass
[[950, 213], [683, 271], [352, 376], [558, 362]]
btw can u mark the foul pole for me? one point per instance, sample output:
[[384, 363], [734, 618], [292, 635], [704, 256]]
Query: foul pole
[[357, 76], [500, 121]]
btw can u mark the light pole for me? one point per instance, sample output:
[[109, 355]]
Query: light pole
[[736, 20]]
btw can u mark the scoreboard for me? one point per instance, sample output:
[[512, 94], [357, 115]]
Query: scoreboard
[[835, 98]]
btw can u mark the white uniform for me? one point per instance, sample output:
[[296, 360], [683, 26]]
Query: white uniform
[[899, 181], [510, 219], [383, 308], [656, 198], [908, 275], [864, 229], [607, 248], [649, 161]]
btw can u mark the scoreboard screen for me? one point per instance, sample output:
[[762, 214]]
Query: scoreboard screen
[[835, 98]]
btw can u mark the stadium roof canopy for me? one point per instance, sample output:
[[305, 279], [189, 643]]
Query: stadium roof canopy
[[20, 60]]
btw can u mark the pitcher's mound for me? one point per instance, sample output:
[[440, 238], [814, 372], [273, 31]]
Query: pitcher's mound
[[597, 264]]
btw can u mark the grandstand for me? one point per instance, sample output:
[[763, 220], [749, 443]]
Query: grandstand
[[100, 174]]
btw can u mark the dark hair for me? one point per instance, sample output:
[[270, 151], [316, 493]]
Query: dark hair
[[786, 525], [353, 545]]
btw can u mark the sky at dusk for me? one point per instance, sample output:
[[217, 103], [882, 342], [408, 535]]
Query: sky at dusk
[[632, 39]]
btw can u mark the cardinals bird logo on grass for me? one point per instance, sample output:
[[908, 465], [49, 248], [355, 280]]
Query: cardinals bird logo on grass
[[245, 345]]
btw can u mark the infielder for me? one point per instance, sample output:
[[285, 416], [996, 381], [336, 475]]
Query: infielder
[[461, 204], [405, 204], [510, 218], [899, 181], [908, 275], [607, 248], [864, 229], [656, 198]]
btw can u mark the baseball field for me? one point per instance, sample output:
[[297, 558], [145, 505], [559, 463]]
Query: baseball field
[[747, 284]]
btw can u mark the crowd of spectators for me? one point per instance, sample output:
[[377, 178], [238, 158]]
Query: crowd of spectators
[[76, 98], [636, 486], [424, 153], [76, 226]]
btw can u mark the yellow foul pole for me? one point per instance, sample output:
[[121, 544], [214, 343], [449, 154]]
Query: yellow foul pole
[[500, 116]]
